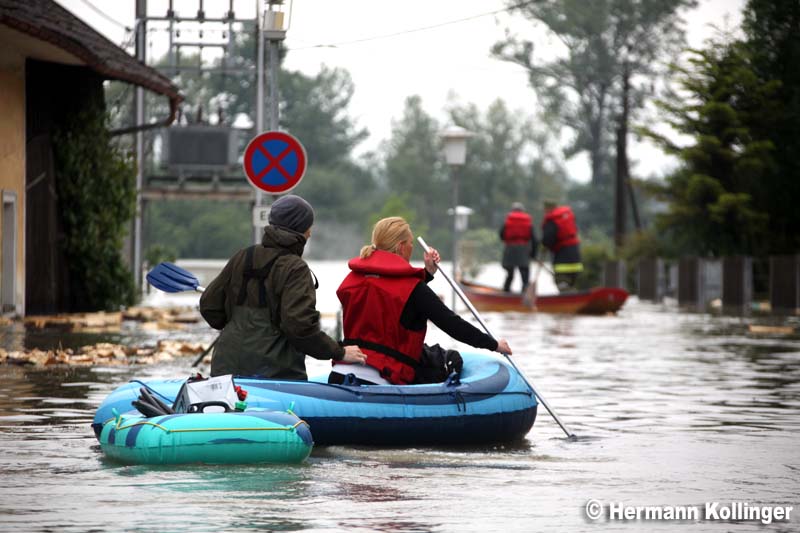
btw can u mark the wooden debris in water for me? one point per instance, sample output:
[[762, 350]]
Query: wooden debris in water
[[153, 318], [100, 321], [770, 330], [181, 315], [103, 354]]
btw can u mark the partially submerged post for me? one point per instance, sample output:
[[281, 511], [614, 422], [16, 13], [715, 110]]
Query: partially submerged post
[[784, 283], [737, 283]]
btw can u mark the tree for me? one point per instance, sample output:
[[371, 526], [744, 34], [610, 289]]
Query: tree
[[772, 28], [606, 41], [723, 107], [414, 167], [508, 160], [97, 197]]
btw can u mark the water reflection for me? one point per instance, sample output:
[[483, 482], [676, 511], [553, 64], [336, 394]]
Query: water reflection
[[668, 407]]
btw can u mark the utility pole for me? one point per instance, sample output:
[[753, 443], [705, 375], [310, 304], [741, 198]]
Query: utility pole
[[622, 166], [259, 101], [141, 55], [272, 28]]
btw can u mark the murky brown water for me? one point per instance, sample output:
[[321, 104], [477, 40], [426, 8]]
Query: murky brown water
[[670, 408]]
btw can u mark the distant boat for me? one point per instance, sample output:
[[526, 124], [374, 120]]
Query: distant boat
[[596, 301]]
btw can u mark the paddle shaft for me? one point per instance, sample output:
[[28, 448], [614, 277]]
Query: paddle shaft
[[541, 264], [477, 316], [205, 352], [210, 346]]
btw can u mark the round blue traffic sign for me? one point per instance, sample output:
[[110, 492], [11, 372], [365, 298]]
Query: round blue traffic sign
[[275, 162]]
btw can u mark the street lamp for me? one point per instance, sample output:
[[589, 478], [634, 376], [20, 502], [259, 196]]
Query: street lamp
[[462, 214], [454, 140]]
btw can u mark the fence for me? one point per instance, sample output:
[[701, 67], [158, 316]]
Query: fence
[[737, 282]]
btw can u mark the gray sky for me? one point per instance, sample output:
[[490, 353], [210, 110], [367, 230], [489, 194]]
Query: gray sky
[[390, 56]]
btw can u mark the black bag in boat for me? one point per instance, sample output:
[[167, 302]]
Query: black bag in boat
[[437, 364]]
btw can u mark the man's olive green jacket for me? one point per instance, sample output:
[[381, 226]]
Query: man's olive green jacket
[[269, 341]]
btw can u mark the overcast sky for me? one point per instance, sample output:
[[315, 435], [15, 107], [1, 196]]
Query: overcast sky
[[438, 49]]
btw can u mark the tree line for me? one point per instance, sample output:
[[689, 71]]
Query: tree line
[[735, 100]]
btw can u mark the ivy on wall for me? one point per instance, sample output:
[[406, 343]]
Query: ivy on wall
[[96, 185]]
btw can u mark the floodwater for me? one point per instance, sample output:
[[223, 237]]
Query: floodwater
[[671, 409]]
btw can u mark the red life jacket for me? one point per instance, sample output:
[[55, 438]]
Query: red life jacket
[[564, 219], [517, 228], [373, 296]]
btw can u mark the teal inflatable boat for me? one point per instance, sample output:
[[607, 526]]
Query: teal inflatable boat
[[252, 436]]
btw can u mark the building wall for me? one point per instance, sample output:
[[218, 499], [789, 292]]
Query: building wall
[[12, 156]]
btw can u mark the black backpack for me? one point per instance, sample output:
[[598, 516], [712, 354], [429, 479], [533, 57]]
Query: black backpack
[[437, 364]]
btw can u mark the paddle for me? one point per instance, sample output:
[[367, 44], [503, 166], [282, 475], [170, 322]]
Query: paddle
[[529, 294], [477, 316], [169, 277], [547, 268]]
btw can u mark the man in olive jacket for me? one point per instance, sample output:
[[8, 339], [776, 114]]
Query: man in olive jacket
[[264, 302]]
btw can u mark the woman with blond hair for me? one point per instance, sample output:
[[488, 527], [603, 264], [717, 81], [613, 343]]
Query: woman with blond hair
[[386, 307]]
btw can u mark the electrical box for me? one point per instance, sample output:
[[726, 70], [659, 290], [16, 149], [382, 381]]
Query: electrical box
[[201, 147]]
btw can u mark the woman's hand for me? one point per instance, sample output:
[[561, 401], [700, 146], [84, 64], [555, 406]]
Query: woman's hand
[[431, 259], [503, 347], [353, 354]]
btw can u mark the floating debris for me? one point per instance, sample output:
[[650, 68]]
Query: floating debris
[[153, 319], [104, 354], [770, 330], [181, 315], [100, 321]]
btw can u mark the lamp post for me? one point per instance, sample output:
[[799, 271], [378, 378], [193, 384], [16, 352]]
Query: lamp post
[[272, 26], [454, 141]]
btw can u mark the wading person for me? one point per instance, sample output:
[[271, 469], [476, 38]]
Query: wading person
[[386, 305], [264, 302], [560, 236], [520, 245]]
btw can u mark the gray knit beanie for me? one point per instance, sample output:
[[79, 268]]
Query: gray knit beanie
[[291, 212]]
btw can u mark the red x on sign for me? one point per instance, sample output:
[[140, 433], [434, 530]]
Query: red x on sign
[[274, 162]]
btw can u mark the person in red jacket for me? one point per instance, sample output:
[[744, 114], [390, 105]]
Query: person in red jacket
[[560, 236], [386, 305], [520, 245]]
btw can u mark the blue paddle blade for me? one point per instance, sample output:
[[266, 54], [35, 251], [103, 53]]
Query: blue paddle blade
[[172, 278]]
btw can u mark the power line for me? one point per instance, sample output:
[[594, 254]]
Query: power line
[[105, 15], [416, 30]]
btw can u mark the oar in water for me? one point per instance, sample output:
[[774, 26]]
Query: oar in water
[[477, 316], [547, 268], [169, 277], [529, 294]]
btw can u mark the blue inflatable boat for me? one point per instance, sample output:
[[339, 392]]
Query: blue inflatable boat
[[255, 436], [489, 403]]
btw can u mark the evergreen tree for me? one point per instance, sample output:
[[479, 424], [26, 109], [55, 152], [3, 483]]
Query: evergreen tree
[[723, 107], [772, 28]]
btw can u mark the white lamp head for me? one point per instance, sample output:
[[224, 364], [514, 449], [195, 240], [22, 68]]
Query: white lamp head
[[277, 18], [454, 139]]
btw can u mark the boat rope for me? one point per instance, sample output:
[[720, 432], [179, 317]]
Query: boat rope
[[120, 427]]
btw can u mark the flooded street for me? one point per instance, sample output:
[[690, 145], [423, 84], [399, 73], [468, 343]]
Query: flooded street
[[671, 409]]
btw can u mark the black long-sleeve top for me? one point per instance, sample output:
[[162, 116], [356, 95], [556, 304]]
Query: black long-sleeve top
[[424, 305]]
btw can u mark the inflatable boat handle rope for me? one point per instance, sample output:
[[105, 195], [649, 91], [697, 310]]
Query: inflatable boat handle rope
[[477, 316], [118, 426]]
